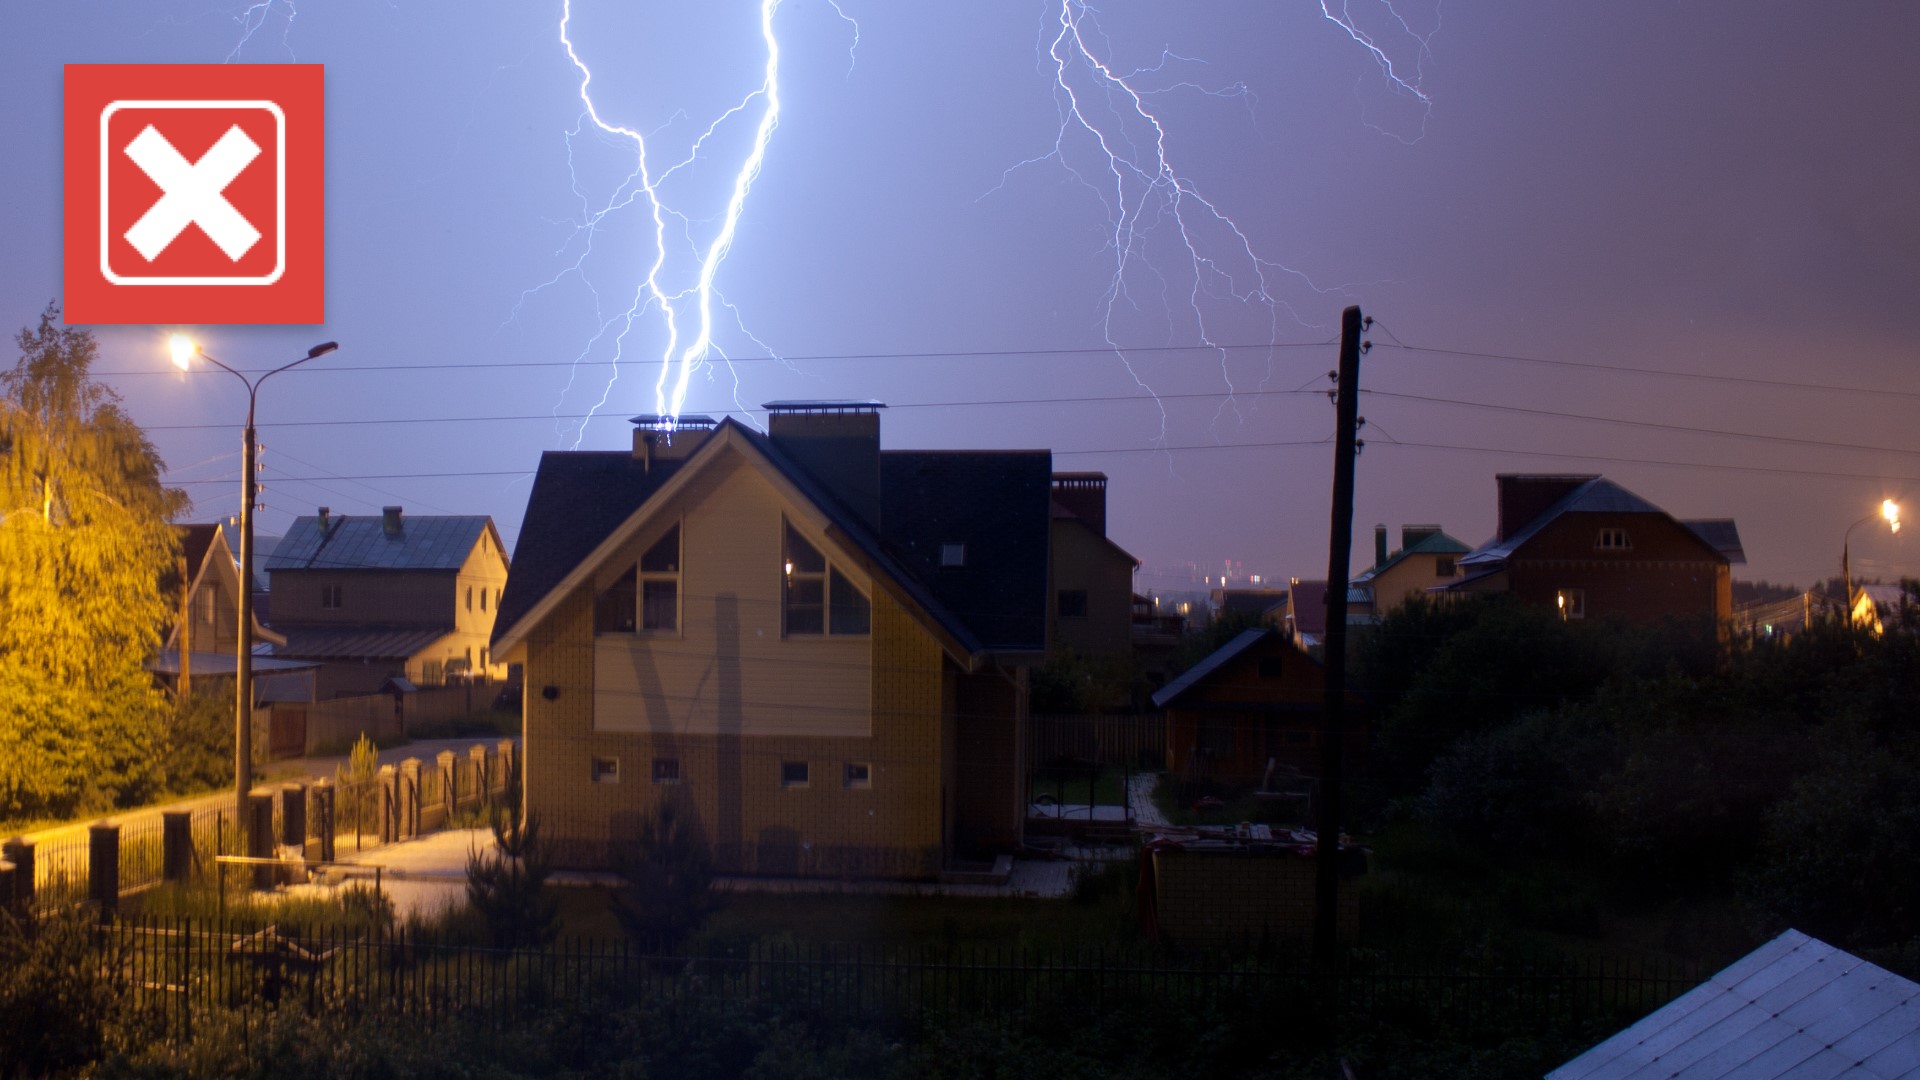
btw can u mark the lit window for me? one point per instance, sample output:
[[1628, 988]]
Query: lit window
[[660, 584], [666, 770], [859, 774], [1572, 603], [793, 774], [1613, 540], [606, 770], [817, 598], [1071, 603], [615, 606]]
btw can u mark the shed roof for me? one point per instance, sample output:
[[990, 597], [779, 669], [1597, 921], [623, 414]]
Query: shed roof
[[1214, 661], [1795, 1006]]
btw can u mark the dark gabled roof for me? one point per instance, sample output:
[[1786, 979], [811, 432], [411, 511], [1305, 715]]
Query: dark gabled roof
[[194, 542], [578, 498], [1795, 1006], [1217, 659], [997, 504], [361, 543], [994, 502], [1435, 543], [1596, 496], [1722, 535]]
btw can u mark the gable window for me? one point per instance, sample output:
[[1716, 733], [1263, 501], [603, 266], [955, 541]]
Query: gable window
[[331, 598], [1071, 603], [483, 599], [207, 598], [817, 598], [1613, 540], [793, 774], [660, 584], [614, 606], [1572, 603]]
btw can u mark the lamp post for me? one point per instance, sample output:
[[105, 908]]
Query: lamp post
[[1889, 510], [184, 350]]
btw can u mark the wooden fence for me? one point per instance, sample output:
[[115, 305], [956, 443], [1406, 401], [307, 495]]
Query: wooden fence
[[1135, 739], [338, 722]]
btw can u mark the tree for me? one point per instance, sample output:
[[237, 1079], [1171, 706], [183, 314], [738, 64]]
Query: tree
[[84, 545], [508, 885], [668, 878]]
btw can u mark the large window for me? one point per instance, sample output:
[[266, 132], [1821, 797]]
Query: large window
[[816, 598], [613, 607], [660, 584]]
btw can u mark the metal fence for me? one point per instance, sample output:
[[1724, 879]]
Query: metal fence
[[178, 968]]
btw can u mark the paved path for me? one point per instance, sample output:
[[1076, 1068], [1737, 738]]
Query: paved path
[[1140, 797]]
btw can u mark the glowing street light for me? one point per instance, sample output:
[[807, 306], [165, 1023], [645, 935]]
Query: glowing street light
[[184, 350], [1890, 511]]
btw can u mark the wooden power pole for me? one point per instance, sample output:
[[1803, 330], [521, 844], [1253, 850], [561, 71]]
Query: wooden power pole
[[1333, 727]]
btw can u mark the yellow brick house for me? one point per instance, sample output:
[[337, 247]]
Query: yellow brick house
[[816, 649]]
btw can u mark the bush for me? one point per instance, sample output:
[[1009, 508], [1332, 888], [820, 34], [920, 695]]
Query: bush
[[667, 879]]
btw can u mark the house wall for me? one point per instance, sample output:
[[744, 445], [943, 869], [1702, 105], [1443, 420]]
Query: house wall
[[984, 730], [394, 598], [1234, 721], [1409, 577], [730, 785], [1668, 573], [1082, 560], [483, 576], [1205, 898]]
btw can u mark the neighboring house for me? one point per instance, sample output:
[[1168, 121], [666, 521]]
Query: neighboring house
[[1304, 614], [1266, 604], [1426, 558], [816, 649], [374, 599], [1092, 577], [1587, 547], [1794, 1007], [211, 623], [1252, 710]]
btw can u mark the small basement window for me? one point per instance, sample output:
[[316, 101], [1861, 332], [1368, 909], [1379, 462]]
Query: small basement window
[[606, 770], [859, 774], [666, 770], [793, 774]]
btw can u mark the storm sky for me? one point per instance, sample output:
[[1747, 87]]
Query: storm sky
[[1675, 243]]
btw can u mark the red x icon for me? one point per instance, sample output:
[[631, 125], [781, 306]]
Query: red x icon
[[194, 193]]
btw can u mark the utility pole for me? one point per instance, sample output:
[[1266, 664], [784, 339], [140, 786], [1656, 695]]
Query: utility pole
[[1333, 726]]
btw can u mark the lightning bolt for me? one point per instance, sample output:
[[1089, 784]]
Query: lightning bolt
[[680, 283], [253, 19], [1169, 246], [1413, 86]]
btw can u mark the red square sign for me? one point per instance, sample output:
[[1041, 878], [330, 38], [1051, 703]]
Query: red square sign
[[194, 193]]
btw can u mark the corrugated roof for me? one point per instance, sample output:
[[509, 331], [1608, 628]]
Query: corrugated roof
[[1436, 543], [1218, 658], [427, 542], [358, 643], [1795, 1006], [1720, 534]]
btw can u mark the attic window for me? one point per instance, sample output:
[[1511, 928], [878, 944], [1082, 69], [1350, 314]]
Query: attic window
[[953, 555], [660, 584], [817, 598], [1613, 540], [615, 606]]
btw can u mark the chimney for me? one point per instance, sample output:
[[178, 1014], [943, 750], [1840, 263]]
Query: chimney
[[1525, 496], [1379, 545], [390, 520], [1084, 494], [658, 437], [1413, 534], [838, 444], [323, 520]]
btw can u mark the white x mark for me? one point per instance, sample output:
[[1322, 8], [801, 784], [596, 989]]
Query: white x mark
[[191, 193]]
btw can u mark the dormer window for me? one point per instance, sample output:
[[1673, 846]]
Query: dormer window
[[816, 598], [1613, 540]]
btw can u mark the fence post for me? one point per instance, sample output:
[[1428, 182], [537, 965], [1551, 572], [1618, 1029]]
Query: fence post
[[293, 816], [507, 764], [103, 866], [176, 845], [389, 804], [477, 753], [260, 834], [410, 797], [19, 852], [449, 783], [323, 811]]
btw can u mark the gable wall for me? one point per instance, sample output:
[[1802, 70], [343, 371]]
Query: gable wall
[[1669, 572]]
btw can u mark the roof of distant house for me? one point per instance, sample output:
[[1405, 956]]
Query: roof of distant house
[[1435, 543], [362, 542], [1795, 1006], [1720, 534], [1214, 661], [1598, 496], [358, 643], [993, 504]]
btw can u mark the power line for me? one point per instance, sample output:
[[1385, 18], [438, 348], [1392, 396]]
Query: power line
[[1772, 470]]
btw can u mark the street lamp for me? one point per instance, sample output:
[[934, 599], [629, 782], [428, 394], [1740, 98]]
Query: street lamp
[[184, 350], [1889, 510]]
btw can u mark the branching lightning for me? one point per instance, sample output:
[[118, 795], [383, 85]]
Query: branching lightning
[[1169, 245], [680, 283]]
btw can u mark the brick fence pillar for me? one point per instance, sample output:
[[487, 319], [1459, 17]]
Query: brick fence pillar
[[449, 781], [509, 768], [482, 784], [260, 834], [176, 845], [410, 797], [323, 811], [389, 781], [19, 852], [293, 815], [103, 865]]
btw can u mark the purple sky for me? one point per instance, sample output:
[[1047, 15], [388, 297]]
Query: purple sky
[[1665, 210]]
